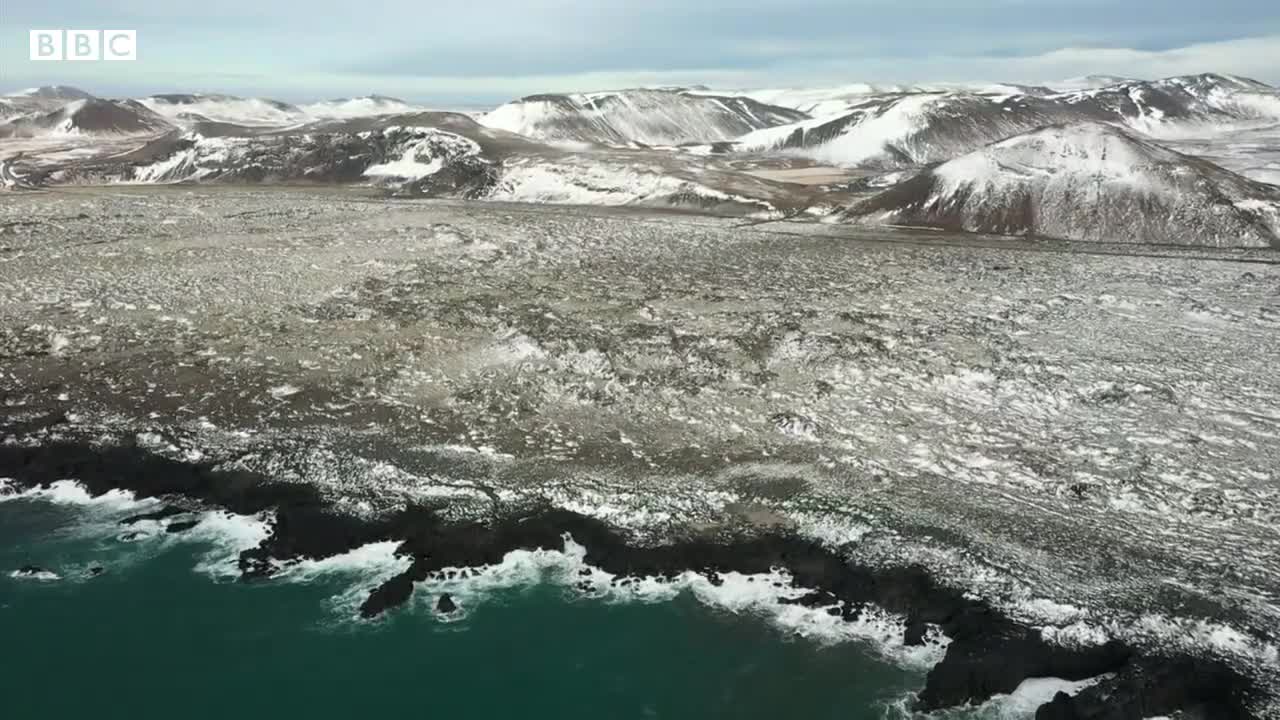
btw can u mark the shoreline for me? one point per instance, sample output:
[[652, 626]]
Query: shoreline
[[988, 654]]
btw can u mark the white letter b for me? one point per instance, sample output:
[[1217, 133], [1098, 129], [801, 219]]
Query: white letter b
[[82, 45], [46, 44]]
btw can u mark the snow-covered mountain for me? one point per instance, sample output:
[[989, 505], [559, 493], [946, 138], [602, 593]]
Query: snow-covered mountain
[[908, 129], [662, 117], [195, 107], [825, 102], [915, 128], [1014, 159], [90, 117], [440, 155], [1174, 105], [53, 92], [820, 101], [357, 107], [1090, 82], [38, 100], [1090, 181]]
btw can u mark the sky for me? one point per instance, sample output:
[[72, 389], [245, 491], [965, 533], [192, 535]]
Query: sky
[[477, 52]]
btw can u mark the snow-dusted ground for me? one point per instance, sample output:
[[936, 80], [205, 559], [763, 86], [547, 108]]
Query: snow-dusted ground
[[1089, 438], [1252, 152]]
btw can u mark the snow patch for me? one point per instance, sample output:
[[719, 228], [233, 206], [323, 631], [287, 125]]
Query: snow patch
[[425, 156]]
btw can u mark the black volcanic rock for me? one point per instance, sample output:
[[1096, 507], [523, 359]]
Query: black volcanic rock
[[990, 656], [129, 467], [445, 605], [914, 634], [1149, 689], [167, 511], [390, 594], [181, 526]]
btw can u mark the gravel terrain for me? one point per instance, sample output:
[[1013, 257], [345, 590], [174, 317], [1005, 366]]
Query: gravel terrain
[[1086, 437]]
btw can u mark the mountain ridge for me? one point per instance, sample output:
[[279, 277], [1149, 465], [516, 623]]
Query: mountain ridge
[[638, 117], [1089, 182]]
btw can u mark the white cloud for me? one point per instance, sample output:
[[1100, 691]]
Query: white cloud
[[1257, 57]]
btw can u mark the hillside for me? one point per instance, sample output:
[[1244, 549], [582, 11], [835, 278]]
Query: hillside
[[903, 129], [90, 117], [1089, 181], [637, 117]]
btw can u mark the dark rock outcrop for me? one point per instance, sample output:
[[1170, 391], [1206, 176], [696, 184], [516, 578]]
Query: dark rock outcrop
[[1150, 688], [163, 513], [129, 467], [989, 655]]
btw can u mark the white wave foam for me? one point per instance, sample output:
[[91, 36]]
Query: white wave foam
[[373, 559], [228, 535], [1029, 696], [362, 569], [762, 595], [72, 492], [41, 575], [1021, 704]]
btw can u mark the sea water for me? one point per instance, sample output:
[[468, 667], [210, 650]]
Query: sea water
[[165, 630]]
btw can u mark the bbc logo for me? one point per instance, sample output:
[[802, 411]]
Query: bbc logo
[[84, 45]]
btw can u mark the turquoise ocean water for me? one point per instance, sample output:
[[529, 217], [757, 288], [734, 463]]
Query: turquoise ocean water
[[159, 634]]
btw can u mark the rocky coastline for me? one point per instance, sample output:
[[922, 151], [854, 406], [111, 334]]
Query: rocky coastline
[[989, 653]]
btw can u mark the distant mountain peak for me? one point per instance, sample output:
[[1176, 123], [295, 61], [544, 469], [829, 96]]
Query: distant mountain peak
[[1087, 181], [639, 116], [53, 92]]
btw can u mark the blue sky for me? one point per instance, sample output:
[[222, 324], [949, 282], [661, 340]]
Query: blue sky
[[483, 51]]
